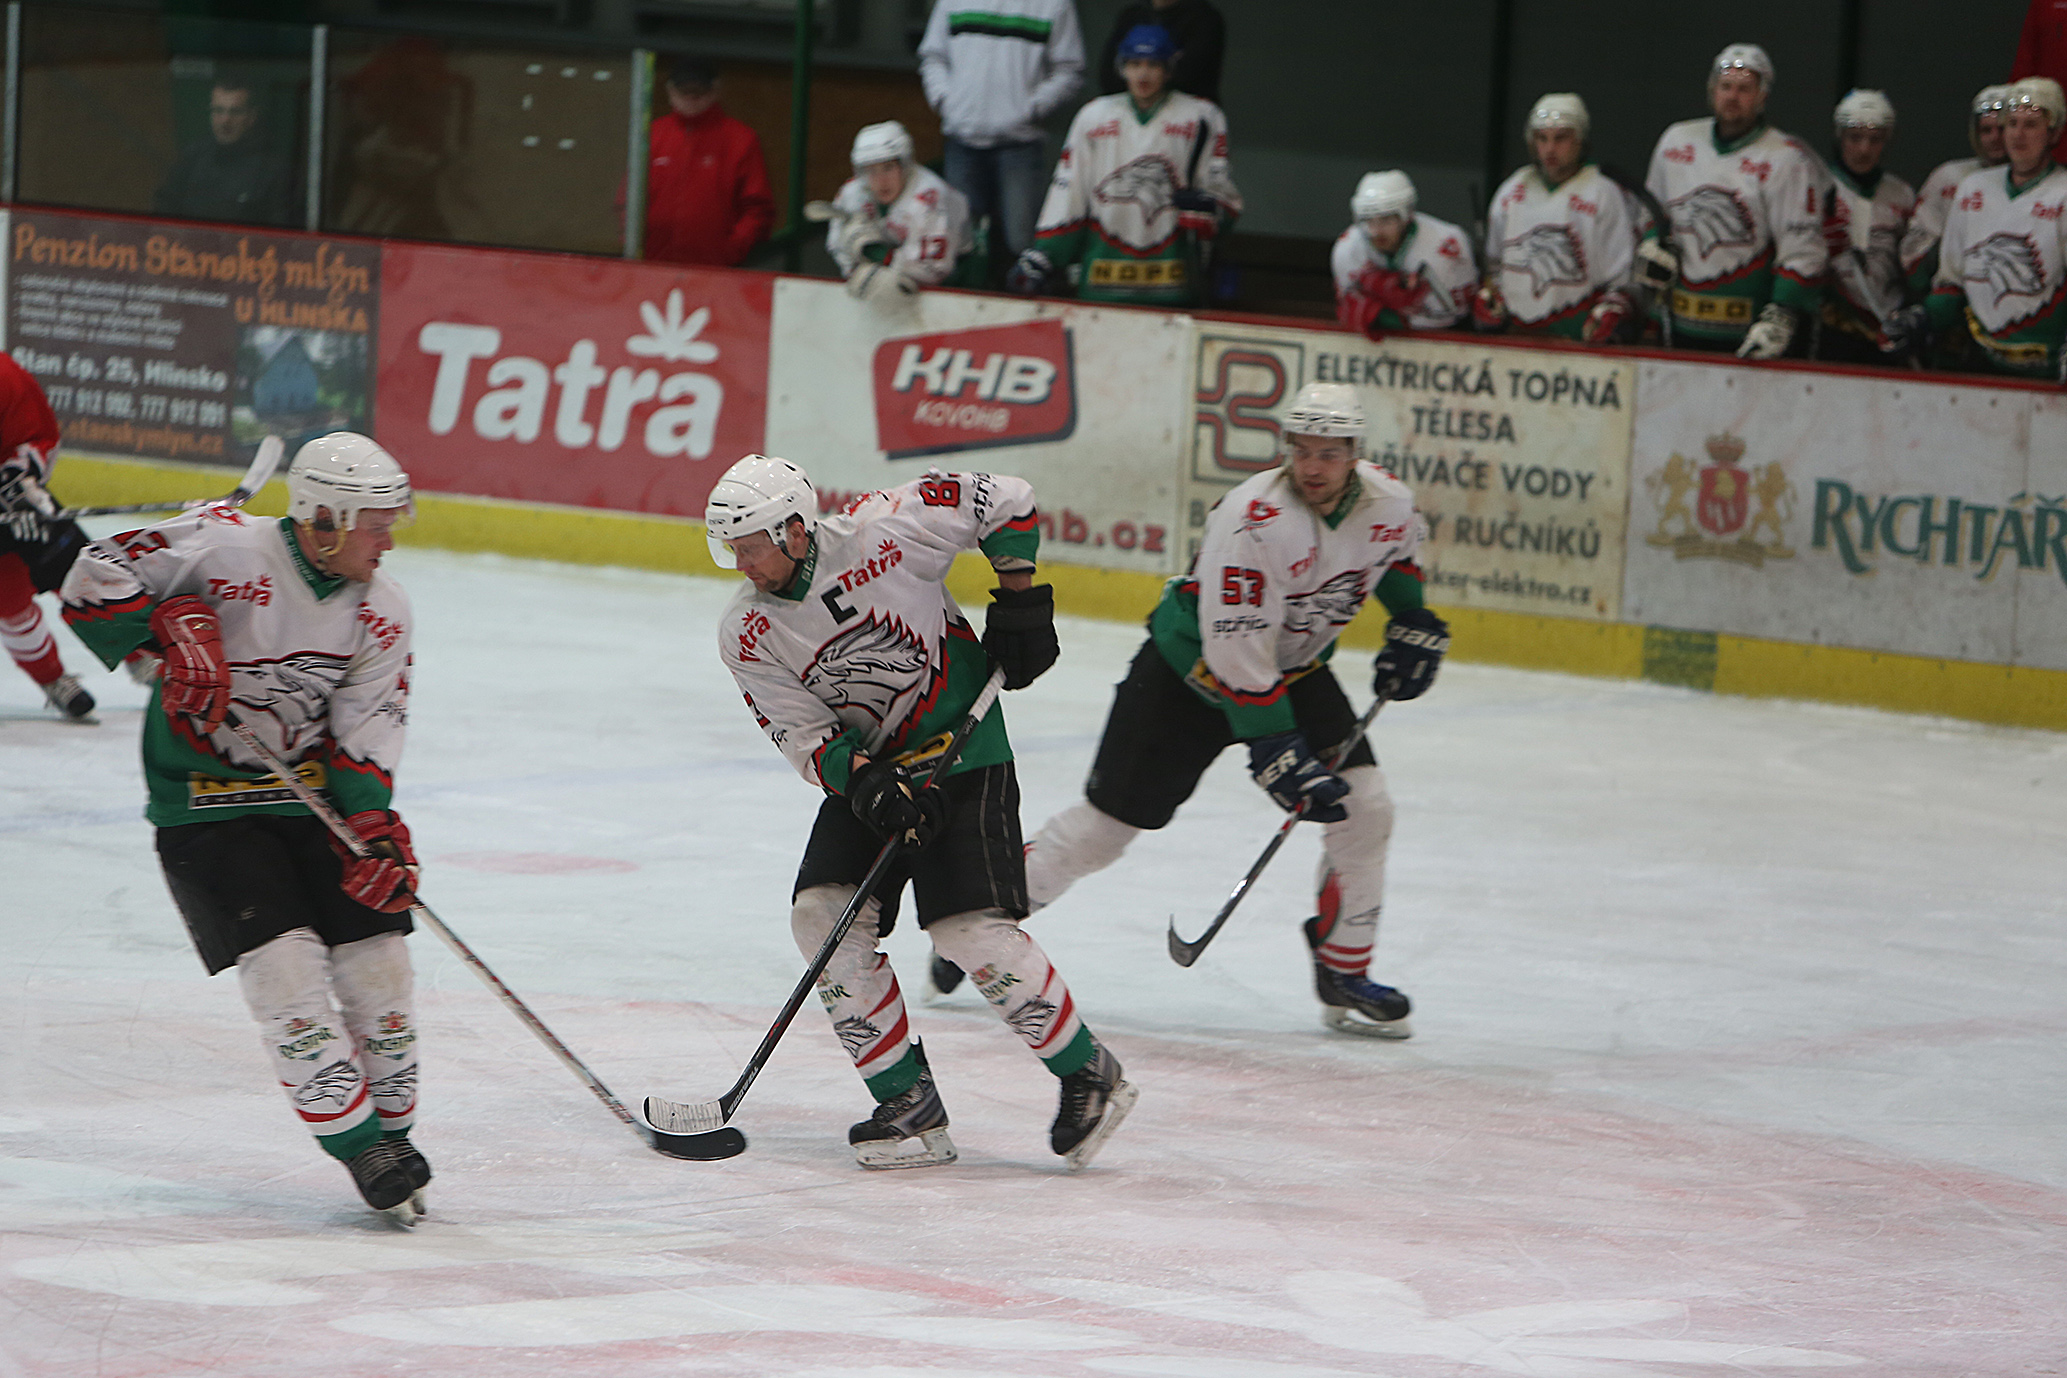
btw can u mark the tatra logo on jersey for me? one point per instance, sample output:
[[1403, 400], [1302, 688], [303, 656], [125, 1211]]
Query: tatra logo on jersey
[[1715, 217], [1549, 254], [2007, 265]]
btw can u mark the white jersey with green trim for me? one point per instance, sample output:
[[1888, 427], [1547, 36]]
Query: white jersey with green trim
[[1435, 249], [860, 643], [927, 226], [1557, 249], [1277, 584], [1121, 170], [1933, 205], [319, 666], [2007, 252], [1746, 217]]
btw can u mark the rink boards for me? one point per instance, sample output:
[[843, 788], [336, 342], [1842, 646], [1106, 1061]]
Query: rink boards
[[1780, 529]]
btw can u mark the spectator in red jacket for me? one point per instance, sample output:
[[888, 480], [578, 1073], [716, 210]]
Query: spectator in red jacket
[[2042, 52], [707, 195]]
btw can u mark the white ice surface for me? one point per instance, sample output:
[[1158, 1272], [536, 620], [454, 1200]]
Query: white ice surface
[[1739, 1050]]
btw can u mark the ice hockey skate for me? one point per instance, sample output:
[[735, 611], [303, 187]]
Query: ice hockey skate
[[1095, 1098], [415, 1167], [1356, 1004], [907, 1130], [70, 698], [386, 1180]]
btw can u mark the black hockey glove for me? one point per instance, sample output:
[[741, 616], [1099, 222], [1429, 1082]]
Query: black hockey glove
[[1414, 644], [1033, 275], [1019, 633], [884, 796], [1288, 772], [25, 507]]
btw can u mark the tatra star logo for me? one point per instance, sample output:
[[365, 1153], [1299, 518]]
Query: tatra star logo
[[673, 336]]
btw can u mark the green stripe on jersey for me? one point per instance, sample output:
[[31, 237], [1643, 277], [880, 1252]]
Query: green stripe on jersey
[[999, 25]]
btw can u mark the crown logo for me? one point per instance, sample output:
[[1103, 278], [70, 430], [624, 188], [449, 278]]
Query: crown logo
[[1719, 511], [1724, 448]]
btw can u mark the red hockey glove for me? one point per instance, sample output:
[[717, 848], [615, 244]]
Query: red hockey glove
[[1393, 290], [1488, 311], [386, 880], [1612, 319], [196, 676]]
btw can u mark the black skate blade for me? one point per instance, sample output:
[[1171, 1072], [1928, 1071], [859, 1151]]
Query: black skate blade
[[698, 1148]]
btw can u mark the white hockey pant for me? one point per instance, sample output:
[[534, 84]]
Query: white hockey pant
[[1351, 879], [862, 997], [338, 1025], [1071, 845]]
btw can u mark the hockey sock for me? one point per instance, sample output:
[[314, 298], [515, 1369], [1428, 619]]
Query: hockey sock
[[1352, 874], [22, 629], [286, 985], [1012, 972], [1074, 843], [859, 990], [375, 991]]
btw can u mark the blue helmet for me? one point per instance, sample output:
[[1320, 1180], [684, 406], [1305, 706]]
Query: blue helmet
[[1146, 43]]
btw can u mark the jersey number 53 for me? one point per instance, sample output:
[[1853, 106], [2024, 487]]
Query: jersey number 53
[[1241, 586]]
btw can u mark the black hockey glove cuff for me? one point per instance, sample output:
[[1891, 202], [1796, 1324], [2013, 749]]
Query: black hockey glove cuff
[[884, 796], [1019, 633], [1286, 769], [1415, 640]]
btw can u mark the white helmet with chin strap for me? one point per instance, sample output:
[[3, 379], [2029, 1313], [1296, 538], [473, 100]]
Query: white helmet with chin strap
[[1561, 110], [1861, 109], [1326, 409], [758, 494], [888, 142], [2041, 94], [1747, 57], [1382, 193], [344, 474]]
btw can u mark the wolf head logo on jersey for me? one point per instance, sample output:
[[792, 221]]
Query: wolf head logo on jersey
[[294, 690], [868, 667], [1333, 604], [339, 1084], [1150, 183], [1549, 254], [1713, 218], [2007, 264]]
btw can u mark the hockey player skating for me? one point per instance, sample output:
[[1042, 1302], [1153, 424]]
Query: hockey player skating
[[897, 227], [858, 664], [292, 626], [37, 546], [1397, 268], [1746, 207], [1140, 193], [1863, 222], [2002, 266], [1238, 651], [1561, 239]]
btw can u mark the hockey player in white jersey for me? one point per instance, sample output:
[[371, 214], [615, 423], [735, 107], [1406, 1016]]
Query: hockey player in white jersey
[[1561, 239], [1863, 221], [897, 227], [1397, 268], [1238, 651], [2002, 265], [1934, 199], [857, 663], [1745, 202], [292, 626], [1140, 193]]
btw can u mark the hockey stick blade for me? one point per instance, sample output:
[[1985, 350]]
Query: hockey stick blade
[[704, 1122], [1185, 953], [725, 1142], [255, 477]]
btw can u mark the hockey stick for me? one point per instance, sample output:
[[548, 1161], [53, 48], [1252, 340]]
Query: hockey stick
[[698, 1121], [262, 465], [357, 846], [1185, 953]]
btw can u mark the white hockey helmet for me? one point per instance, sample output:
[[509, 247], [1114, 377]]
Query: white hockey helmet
[[1329, 409], [1382, 193], [759, 493], [1747, 57], [1561, 110], [2038, 93], [888, 142], [1861, 109], [1990, 100], [344, 474]]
